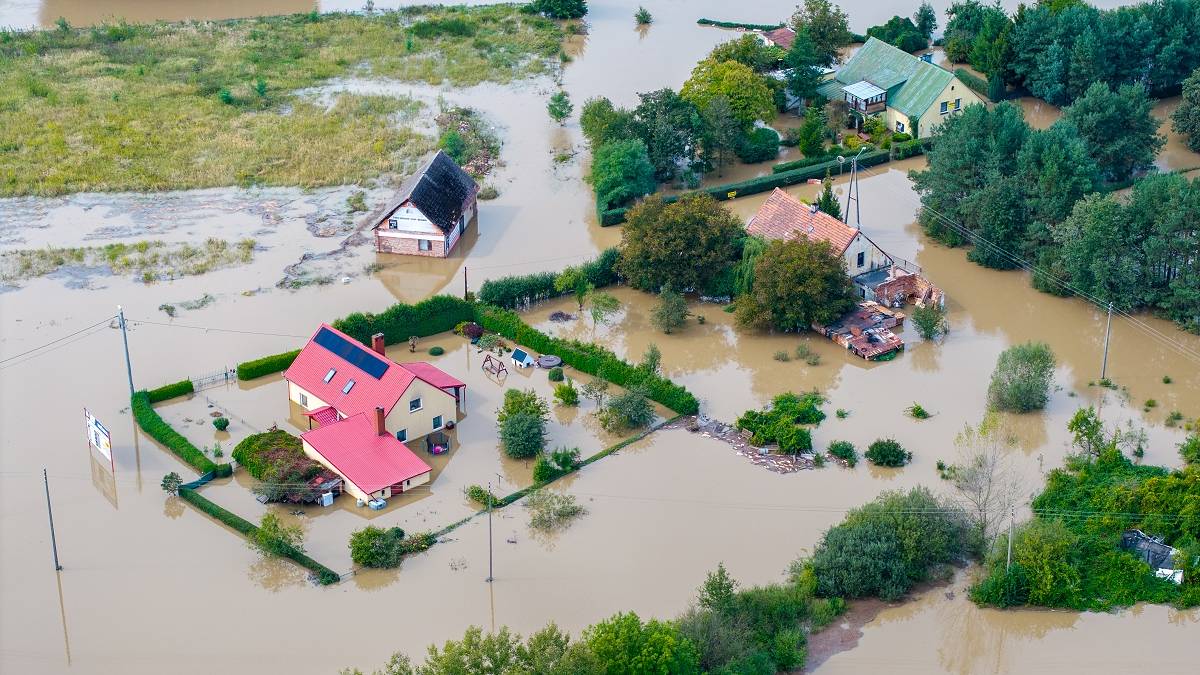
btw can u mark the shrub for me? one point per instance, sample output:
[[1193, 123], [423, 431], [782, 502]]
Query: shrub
[[221, 424], [887, 452], [277, 459], [437, 314], [566, 394], [171, 482], [516, 291], [377, 547], [917, 411], [549, 510], [930, 321], [780, 422], [150, 422], [559, 9], [1022, 378], [759, 145], [555, 374], [642, 16], [522, 435], [628, 410], [842, 413], [248, 370], [906, 149], [436, 351], [558, 463], [170, 391], [480, 495], [781, 356], [1189, 449], [844, 450]]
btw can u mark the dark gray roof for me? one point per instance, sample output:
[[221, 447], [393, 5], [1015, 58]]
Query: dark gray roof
[[438, 190], [1156, 554]]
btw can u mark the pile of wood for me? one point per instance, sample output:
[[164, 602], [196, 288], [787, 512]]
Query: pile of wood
[[740, 442]]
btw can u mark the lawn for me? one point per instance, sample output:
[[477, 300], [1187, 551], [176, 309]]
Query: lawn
[[203, 104]]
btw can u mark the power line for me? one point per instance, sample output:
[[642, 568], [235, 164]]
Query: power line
[[47, 350], [215, 330], [71, 335]]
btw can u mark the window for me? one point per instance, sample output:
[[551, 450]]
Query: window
[[862, 258], [330, 374], [437, 422], [945, 107], [393, 224], [414, 405], [899, 127], [303, 399], [349, 385], [958, 104], [402, 435], [425, 244]]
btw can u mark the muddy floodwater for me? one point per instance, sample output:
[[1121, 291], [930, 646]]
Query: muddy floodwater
[[151, 584]]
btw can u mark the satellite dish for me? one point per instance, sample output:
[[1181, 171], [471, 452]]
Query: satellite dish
[[841, 159]]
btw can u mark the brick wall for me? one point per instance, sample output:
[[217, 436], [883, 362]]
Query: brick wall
[[406, 246]]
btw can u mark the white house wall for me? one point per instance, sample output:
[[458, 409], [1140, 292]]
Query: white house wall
[[873, 257]]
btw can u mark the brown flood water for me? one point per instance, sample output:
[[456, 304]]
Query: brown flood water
[[150, 581]]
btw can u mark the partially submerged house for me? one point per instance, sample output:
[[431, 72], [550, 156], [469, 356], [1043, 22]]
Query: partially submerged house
[[783, 216], [867, 331], [781, 37], [1154, 552], [909, 94], [430, 212], [362, 408]]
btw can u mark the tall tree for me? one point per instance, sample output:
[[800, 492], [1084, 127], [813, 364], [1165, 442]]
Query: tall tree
[[748, 50], [1097, 254], [1186, 118], [601, 121], [828, 201], [796, 283], [804, 67], [722, 131], [559, 107], [560, 9], [1118, 126], [999, 221], [747, 92], [621, 172], [688, 244], [669, 126], [926, 19], [828, 27]]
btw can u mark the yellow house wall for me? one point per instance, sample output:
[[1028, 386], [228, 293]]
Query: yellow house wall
[[894, 116], [419, 423], [933, 118]]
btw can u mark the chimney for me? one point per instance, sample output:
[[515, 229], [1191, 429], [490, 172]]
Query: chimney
[[812, 208], [379, 428], [377, 344]]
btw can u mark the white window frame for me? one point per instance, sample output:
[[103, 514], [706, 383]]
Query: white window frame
[[303, 399], [424, 244], [899, 127], [349, 385], [393, 223], [420, 405], [330, 374], [945, 107]]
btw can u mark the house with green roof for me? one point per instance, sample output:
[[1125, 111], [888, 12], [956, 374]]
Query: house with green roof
[[909, 94]]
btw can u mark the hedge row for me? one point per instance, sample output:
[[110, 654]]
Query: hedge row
[[736, 24], [513, 291], [248, 370], [906, 149], [400, 321], [325, 576], [589, 358], [171, 391], [802, 163], [761, 184], [154, 425], [973, 82]]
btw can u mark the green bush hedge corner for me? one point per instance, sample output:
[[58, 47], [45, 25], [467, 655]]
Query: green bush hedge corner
[[170, 391], [275, 363], [154, 425]]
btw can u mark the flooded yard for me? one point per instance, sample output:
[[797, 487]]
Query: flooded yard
[[150, 581]]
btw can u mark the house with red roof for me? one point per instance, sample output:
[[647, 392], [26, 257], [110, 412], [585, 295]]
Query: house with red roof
[[362, 408], [783, 216]]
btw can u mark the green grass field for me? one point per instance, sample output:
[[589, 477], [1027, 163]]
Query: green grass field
[[202, 104]]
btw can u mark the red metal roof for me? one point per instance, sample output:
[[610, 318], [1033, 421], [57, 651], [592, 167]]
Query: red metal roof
[[323, 415], [432, 374], [314, 362], [369, 460], [783, 216]]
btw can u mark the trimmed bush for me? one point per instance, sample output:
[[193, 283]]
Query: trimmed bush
[[888, 452], [436, 351], [974, 83], [275, 363], [906, 149], [172, 390], [844, 450], [377, 547], [589, 358], [804, 162], [434, 315], [154, 425], [555, 374], [514, 291], [221, 423], [759, 145]]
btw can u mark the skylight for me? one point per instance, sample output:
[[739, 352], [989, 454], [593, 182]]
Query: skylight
[[330, 374], [349, 385]]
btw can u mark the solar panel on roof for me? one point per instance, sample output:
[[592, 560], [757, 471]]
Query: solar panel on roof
[[351, 352]]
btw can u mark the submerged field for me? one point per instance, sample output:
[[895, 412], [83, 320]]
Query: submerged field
[[202, 104]]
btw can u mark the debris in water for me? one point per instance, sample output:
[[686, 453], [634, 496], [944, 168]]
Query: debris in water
[[562, 316]]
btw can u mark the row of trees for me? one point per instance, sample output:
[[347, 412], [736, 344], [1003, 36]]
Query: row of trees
[[1057, 50]]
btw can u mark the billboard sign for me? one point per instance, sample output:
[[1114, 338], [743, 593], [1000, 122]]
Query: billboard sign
[[98, 435]]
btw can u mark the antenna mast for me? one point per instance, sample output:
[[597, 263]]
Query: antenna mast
[[852, 189]]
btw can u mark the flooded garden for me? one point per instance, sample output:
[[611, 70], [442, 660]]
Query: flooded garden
[[151, 582]]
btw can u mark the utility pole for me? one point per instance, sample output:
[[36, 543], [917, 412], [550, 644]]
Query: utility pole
[[852, 189], [489, 576], [465, 282], [125, 340], [1012, 516], [1107, 333], [50, 512]]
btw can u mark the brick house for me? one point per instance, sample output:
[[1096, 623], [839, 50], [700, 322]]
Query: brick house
[[430, 212], [783, 216]]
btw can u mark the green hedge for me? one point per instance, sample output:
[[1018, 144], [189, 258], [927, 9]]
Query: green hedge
[[973, 82], [325, 576], [512, 291], [248, 370], [735, 24], [399, 322], [783, 167], [154, 425], [589, 358], [906, 149], [761, 184], [171, 391]]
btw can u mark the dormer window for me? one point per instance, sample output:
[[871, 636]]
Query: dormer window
[[349, 385], [330, 374]]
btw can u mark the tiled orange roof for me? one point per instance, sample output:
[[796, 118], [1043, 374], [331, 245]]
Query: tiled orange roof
[[783, 37], [783, 216]]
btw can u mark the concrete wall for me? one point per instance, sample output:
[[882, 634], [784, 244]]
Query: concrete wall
[[419, 423], [874, 258]]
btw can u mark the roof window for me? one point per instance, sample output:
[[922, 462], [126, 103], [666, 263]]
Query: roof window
[[349, 385], [330, 374]]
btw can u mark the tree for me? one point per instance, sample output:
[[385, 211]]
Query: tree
[[812, 133], [743, 270], [828, 201], [836, 114], [670, 128], [999, 221], [1021, 381], [1099, 251], [651, 359], [1087, 432], [828, 27], [930, 320], [926, 20], [627, 410], [902, 33], [1186, 118], [796, 283], [522, 436], [749, 96], [621, 172], [560, 9], [560, 107], [717, 593], [687, 244], [603, 305], [273, 538], [750, 51], [670, 314], [887, 452], [596, 390], [760, 145], [574, 278], [171, 483], [601, 121], [526, 401], [627, 646], [1118, 127], [722, 130], [804, 67], [377, 547], [985, 481], [642, 16]]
